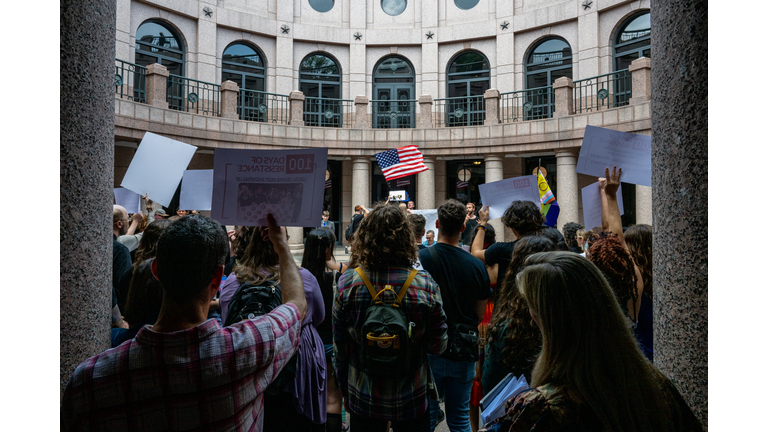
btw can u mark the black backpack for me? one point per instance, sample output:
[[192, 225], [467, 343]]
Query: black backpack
[[386, 351], [251, 301]]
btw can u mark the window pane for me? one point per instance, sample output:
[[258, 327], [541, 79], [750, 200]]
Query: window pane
[[568, 73], [637, 28], [393, 7], [144, 60], [254, 83], [319, 64], [469, 62], [310, 89], [624, 61], [173, 67], [551, 50], [466, 4], [537, 80], [154, 33], [457, 89], [242, 54], [321, 5]]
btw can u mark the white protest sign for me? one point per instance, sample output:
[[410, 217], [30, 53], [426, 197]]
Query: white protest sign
[[196, 190], [499, 195], [157, 167], [431, 217], [249, 184], [128, 199], [605, 148], [398, 195], [593, 211]]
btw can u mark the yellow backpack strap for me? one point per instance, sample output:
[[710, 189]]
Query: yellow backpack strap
[[404, 289], [366, 281]]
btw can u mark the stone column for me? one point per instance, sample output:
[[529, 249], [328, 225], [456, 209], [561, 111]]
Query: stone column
[[567, 186], [361, 181], [641, 80], [679, 118], [563, 88], [85, 199], [643, 205], [229, 92], [362, 118], [425, 193], [296, 242], [156, 84], [441, 182], [492, 97], [296, 114], [424, 118], [494, 171]]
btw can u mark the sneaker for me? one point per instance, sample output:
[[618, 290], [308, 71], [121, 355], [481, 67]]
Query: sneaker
[[440, 416], [344, 427]]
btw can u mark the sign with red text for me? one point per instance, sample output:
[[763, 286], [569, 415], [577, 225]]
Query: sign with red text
[[249, 184], [500, 194], [605, 148]]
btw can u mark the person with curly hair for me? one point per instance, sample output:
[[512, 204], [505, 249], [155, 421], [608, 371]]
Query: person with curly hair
[[639, 239], [569, 232], [590, 374], [384, 251], [524, 218], [513, 340]]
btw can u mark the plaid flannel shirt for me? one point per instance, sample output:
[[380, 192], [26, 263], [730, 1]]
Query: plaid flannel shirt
[[377, 397], [203, 378]]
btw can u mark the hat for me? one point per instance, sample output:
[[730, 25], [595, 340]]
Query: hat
[[161, 212]]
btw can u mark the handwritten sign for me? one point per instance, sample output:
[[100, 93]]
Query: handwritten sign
[[605, 148], [196, 190], [500, 194], [157, 167], [591, 205], [249, 184], [128, 199]]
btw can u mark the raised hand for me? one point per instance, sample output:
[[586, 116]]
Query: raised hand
[[482, 215], [612, 181]]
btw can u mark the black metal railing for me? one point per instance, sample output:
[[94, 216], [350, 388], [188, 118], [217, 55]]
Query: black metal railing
[[393, 114], [130, 81], [191, 95], [459, 111], [602, 92], [532, 104], [262, 107], [325, 112]]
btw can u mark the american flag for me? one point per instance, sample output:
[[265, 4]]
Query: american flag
[[461, 184], [328, 184], [401, 183], [401, 162]]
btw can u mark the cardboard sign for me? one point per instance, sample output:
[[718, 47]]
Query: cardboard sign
[[157, 167], [128, 199], [606, 148], [500, 194], [196, 190], [593, 211], [249, 184]]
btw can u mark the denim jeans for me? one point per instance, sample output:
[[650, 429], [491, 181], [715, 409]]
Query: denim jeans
[[454, 382]]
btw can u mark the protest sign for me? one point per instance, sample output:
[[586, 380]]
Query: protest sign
[[128, 199], [249, 184], [590, 201], [431, 217], [606, 148], [499, 195], [196, 190], [157, 167], [398, 196]]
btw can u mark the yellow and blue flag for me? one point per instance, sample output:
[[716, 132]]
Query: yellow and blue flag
[[549, 207]]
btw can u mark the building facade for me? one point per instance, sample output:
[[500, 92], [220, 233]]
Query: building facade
[[495, 87]]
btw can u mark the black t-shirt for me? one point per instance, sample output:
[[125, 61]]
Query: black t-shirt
[[356, 219], [500, 253], [466, 236], [122, 269], [421, 246], [466, 281], [325, 328]]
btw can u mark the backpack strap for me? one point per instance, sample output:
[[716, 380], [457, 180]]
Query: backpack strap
[[404, 289], [375, 295]]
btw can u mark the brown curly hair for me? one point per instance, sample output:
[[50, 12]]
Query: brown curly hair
[[243, 235], [384, 239], [524, 217], [639, 239], [617, 265], [522, 336]]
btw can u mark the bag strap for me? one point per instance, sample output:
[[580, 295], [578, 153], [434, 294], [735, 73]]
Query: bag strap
[[373, 292], [404, 289]]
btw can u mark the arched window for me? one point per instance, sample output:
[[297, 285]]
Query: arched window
[[394, 94], [245, 65], [468, 77], [633, 40], [320, 81], [157, 42], [547, 61]]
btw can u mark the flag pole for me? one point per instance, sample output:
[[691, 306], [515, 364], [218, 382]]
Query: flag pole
[[538, 170]]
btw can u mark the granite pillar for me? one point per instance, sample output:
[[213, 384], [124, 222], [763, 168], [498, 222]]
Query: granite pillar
[[424, 117], [494, 171], [641, 80], [362, 118], [296, 240], [156, 85], [563, 88], [361, 181], [643, 205], [87, 71], [679, 118], [441, 182], [567, 186], [492, 114], [425, 182], [229, 91], [296, 109]]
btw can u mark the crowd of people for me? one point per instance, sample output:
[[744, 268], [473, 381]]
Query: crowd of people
[[217, 330]]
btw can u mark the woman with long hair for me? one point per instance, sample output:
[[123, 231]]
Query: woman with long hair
[[318, 253], [590, 374], [384, 250], [639, 239], [301, 405], [148, 245], [513, 340], [142, 306]]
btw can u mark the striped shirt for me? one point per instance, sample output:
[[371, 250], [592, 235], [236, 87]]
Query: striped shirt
[[377, 397], [206, 378]]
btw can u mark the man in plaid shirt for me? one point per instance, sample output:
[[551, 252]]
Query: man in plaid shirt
[[186, 372]]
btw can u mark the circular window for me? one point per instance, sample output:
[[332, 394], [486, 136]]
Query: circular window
[[321, 5], [466, 4], [394, 7]]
